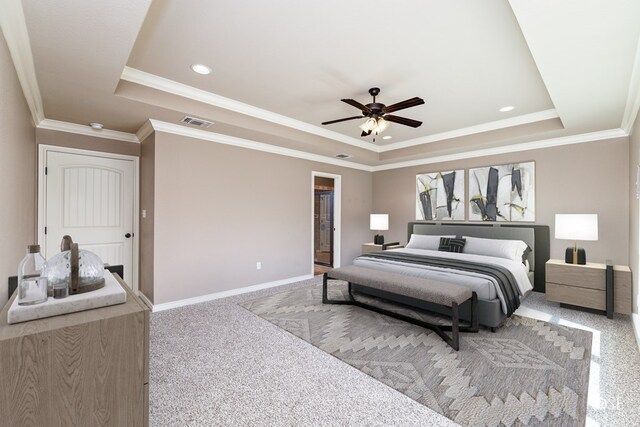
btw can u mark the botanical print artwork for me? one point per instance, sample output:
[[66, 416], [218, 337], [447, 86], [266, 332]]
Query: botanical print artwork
[[502, 193], [440, 195]]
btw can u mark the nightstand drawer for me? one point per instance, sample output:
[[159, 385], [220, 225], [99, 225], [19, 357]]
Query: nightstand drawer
[[582, 297], [582, 276]]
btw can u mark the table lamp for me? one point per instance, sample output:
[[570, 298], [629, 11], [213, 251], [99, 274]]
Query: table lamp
[[576, 227], [379, 222]]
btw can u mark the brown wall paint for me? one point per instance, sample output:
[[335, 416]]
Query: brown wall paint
[[219, 209], [634, 215], [147, 192], [17, 172], [585, 178], [85, 142]]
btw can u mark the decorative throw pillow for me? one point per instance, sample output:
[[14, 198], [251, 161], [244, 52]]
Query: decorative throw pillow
[[525, 254], [420, 241], [448, 244]]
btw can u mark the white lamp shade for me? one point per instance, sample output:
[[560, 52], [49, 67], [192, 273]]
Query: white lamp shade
[[577, 226], [379, 222]]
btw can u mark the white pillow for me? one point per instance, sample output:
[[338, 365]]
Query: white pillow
[[509, 249], [421, 241]]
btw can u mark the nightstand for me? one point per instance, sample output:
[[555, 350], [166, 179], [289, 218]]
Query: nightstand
[[372, 247], [586, 286]]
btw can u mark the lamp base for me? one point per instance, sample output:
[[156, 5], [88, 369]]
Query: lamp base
[[575, 256], [378, 239]]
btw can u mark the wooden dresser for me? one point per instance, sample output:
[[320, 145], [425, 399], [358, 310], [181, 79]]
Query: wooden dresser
[[585, 285], [89, 368]]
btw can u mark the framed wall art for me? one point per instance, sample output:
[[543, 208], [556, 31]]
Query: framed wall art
[[440, 196], [502, 193]]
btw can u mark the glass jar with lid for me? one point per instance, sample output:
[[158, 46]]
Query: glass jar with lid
[[74, 271], [32, 289]]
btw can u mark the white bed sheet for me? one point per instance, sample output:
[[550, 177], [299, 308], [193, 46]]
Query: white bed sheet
[[485, 286]]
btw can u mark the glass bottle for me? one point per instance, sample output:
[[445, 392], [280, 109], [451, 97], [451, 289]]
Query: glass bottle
[[32, 289]]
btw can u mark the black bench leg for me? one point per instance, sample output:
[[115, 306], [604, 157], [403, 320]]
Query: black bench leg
[[455, 327], [475, 319], [325, 298]]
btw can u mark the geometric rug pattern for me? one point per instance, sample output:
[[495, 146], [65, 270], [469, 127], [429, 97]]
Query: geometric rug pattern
[[529, 372]]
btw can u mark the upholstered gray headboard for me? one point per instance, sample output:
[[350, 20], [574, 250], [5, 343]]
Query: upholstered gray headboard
[[536, 236]]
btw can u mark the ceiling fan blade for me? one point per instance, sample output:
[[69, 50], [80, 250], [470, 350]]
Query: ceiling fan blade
[[342, 120], [402, 120], [365, 133], [402, 105], [356, 104]]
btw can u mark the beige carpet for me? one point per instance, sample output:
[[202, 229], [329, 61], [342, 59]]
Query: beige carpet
[[528, 373]]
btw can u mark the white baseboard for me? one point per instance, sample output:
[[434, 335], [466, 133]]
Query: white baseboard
[[224, 294], [635, 319]]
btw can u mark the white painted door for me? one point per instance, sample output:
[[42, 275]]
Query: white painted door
[[90, 198]]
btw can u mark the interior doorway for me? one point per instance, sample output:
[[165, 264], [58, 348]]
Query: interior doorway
[[92, 197], [325, 222]]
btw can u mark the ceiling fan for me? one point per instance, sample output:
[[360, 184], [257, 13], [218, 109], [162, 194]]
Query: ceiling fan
[[378, 117]]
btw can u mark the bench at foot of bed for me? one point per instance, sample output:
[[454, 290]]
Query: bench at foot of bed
[[392, 284]]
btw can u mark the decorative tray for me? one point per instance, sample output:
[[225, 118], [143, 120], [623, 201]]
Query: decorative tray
[[111, 294]]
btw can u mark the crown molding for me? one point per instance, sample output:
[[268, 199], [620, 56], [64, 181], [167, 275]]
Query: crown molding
[[471, 130], [170, 86], [153, 125], [87, 130], [633, 98], [160, 126], [160, 83], [525, 146], [15, 33], [145, 131]]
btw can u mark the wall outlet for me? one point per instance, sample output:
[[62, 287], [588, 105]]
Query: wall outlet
[[258, 265], [144, 213]]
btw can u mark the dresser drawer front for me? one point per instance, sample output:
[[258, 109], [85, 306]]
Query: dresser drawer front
[[577, 275], [590, 298]]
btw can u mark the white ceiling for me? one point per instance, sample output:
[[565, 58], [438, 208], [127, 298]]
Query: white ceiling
[[280, 68]]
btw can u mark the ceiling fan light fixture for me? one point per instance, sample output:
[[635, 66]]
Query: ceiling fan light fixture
[[369, 125], [374, 126], [377, 115], [382, 125]]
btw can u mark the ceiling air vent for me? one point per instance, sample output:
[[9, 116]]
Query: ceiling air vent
[[202, 123], [343, 156]]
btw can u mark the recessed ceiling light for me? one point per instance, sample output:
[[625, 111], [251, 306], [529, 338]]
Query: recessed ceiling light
[[96, 126], [387, 137], [507, 108], [201, 69]]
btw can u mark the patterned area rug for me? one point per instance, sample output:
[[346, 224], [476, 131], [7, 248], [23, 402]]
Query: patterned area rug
[[528, 373]]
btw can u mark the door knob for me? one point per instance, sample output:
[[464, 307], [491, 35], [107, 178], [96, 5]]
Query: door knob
[[128, 235]]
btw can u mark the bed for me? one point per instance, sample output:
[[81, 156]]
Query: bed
[[499, 283]]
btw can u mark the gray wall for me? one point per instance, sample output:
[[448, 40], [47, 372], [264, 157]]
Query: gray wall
[[634, 218], [17, 172], [219, 209], [585, 178], [147, 195]]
